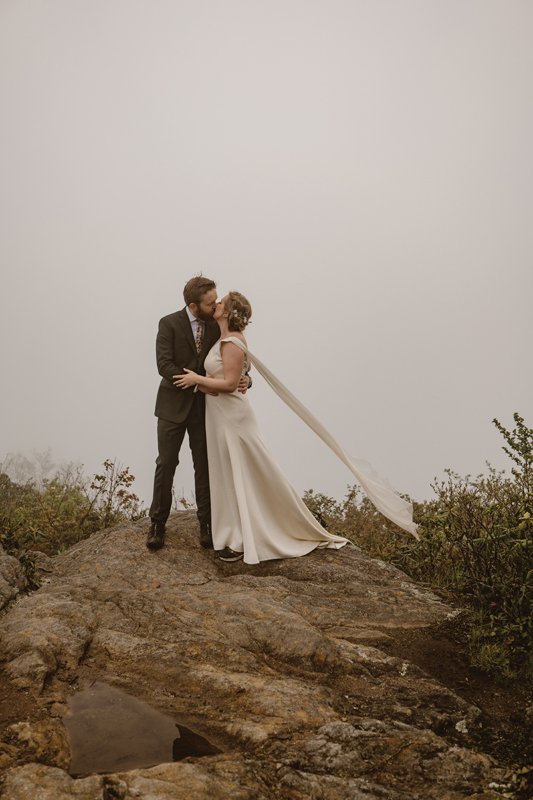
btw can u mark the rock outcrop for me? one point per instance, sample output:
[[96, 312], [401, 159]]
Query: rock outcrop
[[12, 579], [281, 666]]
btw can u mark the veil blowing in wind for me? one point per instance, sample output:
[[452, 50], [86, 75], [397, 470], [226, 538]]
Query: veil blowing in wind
[[377, 488]]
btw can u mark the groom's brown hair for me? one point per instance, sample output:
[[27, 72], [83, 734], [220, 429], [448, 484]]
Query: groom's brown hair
[[195, 289]]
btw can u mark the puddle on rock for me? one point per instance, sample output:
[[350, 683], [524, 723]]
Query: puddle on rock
[[111, 731]]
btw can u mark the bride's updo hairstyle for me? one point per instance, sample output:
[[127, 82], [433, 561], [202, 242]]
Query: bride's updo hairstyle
[[239, 311]]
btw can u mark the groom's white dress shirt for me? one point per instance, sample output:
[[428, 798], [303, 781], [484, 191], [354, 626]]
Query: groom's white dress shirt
[[194, 322]]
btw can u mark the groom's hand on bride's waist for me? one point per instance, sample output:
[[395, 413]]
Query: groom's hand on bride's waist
[[244, 384]]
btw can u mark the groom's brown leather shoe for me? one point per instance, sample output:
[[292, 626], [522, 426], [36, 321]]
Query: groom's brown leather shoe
[[156, 536]]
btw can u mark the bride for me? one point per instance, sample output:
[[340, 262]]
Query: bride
[[256, 513]]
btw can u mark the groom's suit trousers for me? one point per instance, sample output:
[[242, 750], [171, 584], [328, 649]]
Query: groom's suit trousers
[[170, 437], [180, 412]]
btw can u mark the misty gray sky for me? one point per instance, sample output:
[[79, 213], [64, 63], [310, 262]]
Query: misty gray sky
[[362, 171]]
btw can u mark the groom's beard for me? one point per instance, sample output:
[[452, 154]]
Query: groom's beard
[[204, 317]]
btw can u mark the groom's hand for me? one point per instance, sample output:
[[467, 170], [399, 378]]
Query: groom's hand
[[243, 384]]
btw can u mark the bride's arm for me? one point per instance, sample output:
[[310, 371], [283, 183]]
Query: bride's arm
[[233, 362]]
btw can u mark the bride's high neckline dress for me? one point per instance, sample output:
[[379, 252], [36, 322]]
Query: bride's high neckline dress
[[254, 509]]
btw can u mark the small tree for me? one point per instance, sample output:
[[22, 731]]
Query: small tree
[[110, 496]]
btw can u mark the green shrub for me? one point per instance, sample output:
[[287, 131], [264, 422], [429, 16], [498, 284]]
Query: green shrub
[[476, 542], [54, 513]]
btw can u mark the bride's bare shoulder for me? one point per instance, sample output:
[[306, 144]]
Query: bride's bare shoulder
[[235, 335]]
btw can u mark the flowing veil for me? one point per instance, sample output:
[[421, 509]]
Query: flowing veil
[[377, 489]]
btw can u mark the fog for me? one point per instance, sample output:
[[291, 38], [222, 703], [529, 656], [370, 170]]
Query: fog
[[361, 171]]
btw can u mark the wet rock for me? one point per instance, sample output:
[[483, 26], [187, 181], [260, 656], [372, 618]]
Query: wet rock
[[111, 731]]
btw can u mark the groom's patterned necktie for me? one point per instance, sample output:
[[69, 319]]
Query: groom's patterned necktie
[[199, 335]]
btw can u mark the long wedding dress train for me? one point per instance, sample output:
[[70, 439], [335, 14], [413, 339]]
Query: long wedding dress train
[[254, 508]]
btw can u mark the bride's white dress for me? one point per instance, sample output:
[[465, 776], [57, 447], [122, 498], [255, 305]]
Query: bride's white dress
[[254, 509]]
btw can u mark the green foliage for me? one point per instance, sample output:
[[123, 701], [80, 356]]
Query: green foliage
[[53, 513], [476, 542], [357, 519]]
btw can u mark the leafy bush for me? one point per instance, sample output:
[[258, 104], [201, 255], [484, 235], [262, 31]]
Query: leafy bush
[[476, 541], [53, 513]]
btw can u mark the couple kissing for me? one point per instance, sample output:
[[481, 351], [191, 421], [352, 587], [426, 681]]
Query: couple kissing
[[246, 507]]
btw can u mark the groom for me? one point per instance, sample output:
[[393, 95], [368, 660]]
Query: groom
[[183, 341]]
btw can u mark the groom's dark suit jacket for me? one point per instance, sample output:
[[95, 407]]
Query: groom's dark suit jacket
[[176, 349]]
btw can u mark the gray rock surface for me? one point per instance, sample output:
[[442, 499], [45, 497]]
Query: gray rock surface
[[278, 665], [12, 578]]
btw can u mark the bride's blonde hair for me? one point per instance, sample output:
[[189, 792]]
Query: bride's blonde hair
[[239, 311]]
